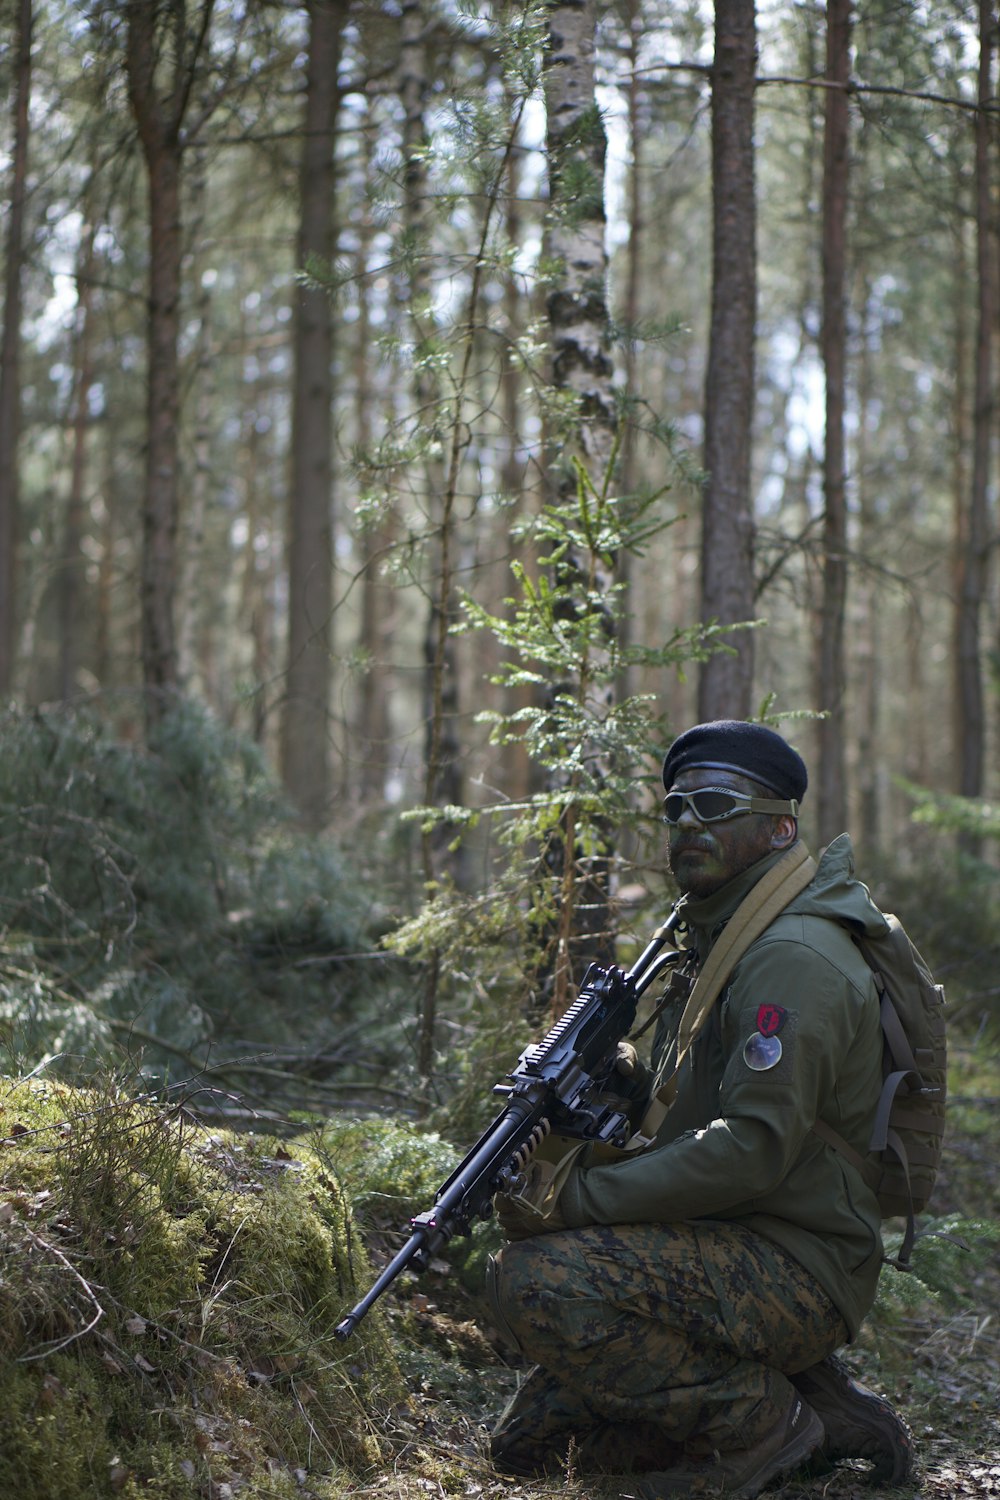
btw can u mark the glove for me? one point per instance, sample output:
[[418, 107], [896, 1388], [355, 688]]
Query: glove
[[626, 1059], [632, 1077]]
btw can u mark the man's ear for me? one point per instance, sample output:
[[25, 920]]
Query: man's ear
[[784, 832]]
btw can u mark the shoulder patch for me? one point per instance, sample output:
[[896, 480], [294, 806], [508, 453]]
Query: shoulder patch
[[770, 1019]]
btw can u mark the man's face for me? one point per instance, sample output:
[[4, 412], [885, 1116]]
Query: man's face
[[706, 856]]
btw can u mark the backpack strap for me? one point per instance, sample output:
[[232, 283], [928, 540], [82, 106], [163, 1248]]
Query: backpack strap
[[785, 880]]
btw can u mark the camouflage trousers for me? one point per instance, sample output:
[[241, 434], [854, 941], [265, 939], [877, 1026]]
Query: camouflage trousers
[[649, 1340]]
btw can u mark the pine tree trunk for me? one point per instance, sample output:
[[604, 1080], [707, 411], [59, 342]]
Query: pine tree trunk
[[71, 624], [830, 692], [10, 351], [159, 113], [725, 688], [443, 775], [305, 729], [520, 775], [195, 600], [369, 772], [969, 750]]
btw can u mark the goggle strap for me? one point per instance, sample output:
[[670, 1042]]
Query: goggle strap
[[770, 805]]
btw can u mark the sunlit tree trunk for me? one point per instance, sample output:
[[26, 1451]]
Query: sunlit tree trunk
[[10, 350], [725, 687], [830, 688], [305, 728]]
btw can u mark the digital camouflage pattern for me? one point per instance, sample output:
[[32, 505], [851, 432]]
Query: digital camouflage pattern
[[648, 1336]]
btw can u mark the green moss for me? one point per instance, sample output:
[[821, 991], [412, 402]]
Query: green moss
[[167, 1304], [54, 1444]]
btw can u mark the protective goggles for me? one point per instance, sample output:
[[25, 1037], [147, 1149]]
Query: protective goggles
[[713, 804]]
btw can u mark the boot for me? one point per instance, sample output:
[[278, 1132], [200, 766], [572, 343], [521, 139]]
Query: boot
[[858, 1423], [740, 1473], [619, 1447]]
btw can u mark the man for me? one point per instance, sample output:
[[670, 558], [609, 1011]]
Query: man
[[681, 1303]]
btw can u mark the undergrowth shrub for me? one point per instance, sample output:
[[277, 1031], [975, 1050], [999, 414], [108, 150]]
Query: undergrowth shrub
[[167, 904]]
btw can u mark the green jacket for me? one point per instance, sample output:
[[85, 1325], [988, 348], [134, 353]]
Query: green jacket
[[794, 1037]]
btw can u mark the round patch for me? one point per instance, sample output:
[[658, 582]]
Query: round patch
[[762, 1052]]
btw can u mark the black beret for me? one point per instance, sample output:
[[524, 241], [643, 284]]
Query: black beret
[[748, 749]]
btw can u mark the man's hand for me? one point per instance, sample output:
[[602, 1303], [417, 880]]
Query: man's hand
[[636, 1077]]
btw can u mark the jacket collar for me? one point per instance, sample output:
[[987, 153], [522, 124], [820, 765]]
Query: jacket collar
[[707, 917]]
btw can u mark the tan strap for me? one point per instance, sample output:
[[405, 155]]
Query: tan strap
[[785, 880]]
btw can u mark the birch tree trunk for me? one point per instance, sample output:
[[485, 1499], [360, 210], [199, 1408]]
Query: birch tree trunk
[[305, 726], [582, 369], [725, 684], [830, 688], [10, 350], [577, 305], [633, 267]]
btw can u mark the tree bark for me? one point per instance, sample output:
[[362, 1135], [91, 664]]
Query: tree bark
[[581, 367], [194, 599], [10, 352], [830, 693], [71, 624], [628, 467], [971, 726], [159, 113], [305, 729], [378, 599], [725, 687], [577, 305]]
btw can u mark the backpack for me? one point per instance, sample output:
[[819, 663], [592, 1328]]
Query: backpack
[[908, 1134]]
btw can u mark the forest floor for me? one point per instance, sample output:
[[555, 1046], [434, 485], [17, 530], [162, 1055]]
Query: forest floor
[[937, 1358]]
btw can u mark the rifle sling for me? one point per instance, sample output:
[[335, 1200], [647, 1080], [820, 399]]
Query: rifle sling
[[785, 880]]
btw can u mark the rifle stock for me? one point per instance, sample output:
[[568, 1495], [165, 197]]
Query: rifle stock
[[555, 1085]]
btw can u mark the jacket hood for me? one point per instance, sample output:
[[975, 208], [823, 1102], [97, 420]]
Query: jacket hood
[[835, 892]]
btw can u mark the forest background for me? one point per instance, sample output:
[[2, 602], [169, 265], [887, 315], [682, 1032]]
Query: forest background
[[411, 416]]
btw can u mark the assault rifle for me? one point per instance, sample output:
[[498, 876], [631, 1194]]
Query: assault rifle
[[557, 1084]]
